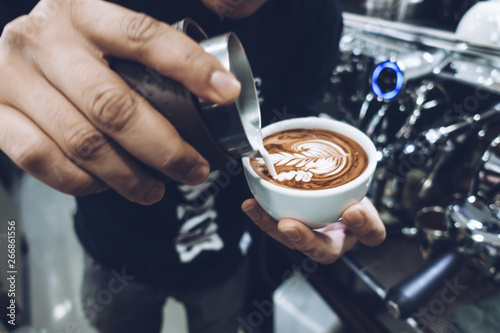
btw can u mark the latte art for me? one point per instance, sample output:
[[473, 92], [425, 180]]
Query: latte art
[[311, 159], [314, 157]]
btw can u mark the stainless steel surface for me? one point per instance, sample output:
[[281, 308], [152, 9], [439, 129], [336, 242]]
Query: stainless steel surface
[[393, 309], [419, 12], [486, 183], [417, 64], [433, 231], [243, 136], [219, 132], [444, 40], [434, 135], [462, 56], [475, 222], [190, 28], [443, 14], [396, 259], [382, 267], [477, 234]]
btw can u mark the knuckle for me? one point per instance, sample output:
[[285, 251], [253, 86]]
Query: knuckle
[[175, 160], [139, 28], [20, 32], [112, 109], [30, 156], [84, 144], [35, 28], [197, 58]]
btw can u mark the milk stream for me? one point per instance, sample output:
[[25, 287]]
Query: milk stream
[[268, 161], [254, 135]]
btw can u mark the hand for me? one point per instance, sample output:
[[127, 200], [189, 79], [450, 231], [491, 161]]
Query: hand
[[71, 122], [359, 222]]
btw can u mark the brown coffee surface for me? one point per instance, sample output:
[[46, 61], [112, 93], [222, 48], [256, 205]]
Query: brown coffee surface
[[312, 159]]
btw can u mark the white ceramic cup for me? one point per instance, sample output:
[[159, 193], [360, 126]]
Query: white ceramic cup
[[315, 208]]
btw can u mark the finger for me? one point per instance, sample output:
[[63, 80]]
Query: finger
[[298, 236], [112, 107], [338, 232], [126, 34], [322, 248], [364, 222], [265, 222], [34, 152], [87, 147]]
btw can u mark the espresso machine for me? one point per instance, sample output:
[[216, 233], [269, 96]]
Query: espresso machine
[[430, 102], [466, 232], [430, 109]]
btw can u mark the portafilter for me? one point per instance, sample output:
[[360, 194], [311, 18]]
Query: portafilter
[[474, 237]]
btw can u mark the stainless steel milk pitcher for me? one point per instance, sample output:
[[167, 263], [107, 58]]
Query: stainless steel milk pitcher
[[221, 133]]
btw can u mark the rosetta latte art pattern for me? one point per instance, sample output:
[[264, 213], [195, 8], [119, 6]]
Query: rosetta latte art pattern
[[318, 157], [312, 159]]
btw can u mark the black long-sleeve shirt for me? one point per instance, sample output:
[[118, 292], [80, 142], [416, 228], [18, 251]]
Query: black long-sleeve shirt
[[197, 235]]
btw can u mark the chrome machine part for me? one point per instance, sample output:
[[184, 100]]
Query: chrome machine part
[[477, 229], [486, 183], [430, 100], [432, 106], [236, 126]]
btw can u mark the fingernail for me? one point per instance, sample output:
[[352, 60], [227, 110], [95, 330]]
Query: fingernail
[[156, 193], [254, 213], [198, 174], [353, 216], [292, 234], [225, 84]]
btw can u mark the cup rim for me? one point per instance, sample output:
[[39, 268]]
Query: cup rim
[[321, 123]]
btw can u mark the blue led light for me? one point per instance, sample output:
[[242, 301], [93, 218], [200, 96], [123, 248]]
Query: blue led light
[[399, 80]]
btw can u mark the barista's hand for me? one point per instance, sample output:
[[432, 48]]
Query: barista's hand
[[71, 122], [359, 222]]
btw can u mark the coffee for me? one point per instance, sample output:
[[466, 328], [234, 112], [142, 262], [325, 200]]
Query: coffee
[[311, 159]]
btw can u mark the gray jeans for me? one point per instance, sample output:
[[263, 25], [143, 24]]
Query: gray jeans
[[114, 302]]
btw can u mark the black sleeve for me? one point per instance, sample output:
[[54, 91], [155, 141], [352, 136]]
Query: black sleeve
[[312, 57], [317, 59]]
